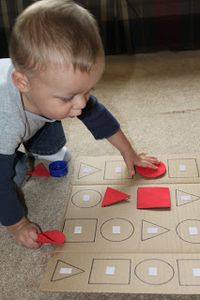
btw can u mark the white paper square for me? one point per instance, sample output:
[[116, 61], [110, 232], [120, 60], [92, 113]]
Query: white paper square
[[186, 197], [78, 229], [86, 198], [65, 271], [110, 270], [152, 230], [193, 230], [196, 272], [118, 169], [116, 229], [152, 271], [182, 168]]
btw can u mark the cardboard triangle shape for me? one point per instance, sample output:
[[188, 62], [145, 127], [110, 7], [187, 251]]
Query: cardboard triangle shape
[[87, 170], [40, 170], [65, 270], [183, 198], [151, 230], [112, 196]]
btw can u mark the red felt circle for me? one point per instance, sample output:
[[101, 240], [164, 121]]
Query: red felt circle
[[152, 173]]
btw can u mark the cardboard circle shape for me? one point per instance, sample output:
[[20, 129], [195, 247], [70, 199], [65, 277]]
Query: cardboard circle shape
[[152, 173]]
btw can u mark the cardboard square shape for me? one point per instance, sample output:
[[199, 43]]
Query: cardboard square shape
[[153, 197], [112, 196], [116, 170], [189, 272], [152, 173], [183, 168], [80, 230], [110, 271]]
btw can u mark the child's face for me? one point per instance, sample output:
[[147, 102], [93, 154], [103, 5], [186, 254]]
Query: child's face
[[60, 93]]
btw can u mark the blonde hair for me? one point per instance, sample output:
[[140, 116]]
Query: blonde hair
[[55, 32]]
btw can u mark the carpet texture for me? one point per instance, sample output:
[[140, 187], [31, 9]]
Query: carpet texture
[[156, 99]]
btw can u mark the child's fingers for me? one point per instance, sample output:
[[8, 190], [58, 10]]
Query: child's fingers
[[27, 236], [30, 242], [27, 242], [33, 234], [132, 172], [152, 166], [131, 169], [152, 159], [146, 163]]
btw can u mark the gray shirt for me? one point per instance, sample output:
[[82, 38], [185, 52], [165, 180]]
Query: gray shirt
[[16, 124]]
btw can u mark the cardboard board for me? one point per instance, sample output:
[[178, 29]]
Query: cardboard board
[[122, 249]]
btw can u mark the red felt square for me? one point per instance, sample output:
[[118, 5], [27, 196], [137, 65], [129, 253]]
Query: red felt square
[[153, 197]]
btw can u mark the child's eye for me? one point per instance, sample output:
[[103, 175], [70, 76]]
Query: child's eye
[[66, 98]]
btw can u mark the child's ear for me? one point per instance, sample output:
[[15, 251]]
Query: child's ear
[[20, 80]]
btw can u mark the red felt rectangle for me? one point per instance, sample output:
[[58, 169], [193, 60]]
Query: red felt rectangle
[[153, 197]]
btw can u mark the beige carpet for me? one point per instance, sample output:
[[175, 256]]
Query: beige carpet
[[156, 98]]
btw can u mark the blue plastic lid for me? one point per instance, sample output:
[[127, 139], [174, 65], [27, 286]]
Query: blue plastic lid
[[58, 168]]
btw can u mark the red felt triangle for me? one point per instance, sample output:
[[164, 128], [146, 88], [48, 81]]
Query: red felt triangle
[[112, 196], [40, 170], [51, 237], [152, 173], [153, 197]]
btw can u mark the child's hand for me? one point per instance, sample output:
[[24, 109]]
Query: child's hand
[[141, 160], [131, 158], [25, 233]]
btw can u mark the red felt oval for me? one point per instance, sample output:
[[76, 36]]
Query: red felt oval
[[152, 173]]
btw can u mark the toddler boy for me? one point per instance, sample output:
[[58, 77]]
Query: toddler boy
[[56, 59]]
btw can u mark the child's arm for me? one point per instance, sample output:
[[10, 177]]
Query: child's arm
[[11, 211], [25, 233], [131, 158], [102, 124]]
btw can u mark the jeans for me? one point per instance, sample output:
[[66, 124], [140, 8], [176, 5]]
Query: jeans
[[48, 140]]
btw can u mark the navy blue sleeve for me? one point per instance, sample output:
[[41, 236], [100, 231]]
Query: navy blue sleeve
[[11, 210], [100, 122]]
